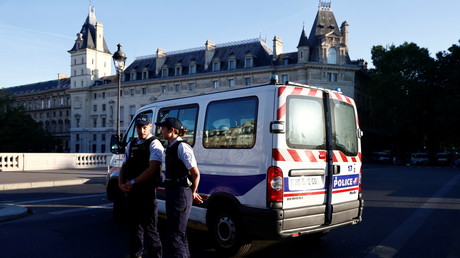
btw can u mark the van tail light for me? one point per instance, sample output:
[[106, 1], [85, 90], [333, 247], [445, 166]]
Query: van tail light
[[275, 187]]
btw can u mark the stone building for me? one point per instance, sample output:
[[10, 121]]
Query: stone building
[[321, 60]]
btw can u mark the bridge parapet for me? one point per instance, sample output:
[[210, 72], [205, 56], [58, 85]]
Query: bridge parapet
[[50, 161]]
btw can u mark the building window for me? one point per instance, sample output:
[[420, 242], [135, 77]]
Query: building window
[[103, 107], [232, 64], [191, 86], [103, 137], [215, 84], [95, 96], [164, 72], [178, 71], [132, 112], [133, 75], [216, 66], [177, 88], [231, 83], [332, 56], [103, 95], [247, 81], [121, 93], [95, 108], [103, 122], [192, 69], [285, 61], [284, 78], [144, 91], [95, 137], [248, 62], [131, 92], [332, 77], [122, 114], [94, 122], [164, 89], [145, 75]]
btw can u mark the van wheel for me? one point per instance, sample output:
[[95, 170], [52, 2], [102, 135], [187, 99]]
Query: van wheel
[[228, 234]]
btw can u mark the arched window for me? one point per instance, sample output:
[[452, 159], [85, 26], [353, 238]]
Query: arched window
[[332, 56]]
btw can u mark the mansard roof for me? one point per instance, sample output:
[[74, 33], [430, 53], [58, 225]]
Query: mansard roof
[[324, 24], [39, 87], [88, 34], [256, 48]]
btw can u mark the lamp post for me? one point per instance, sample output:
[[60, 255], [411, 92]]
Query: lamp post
[[119, 61]]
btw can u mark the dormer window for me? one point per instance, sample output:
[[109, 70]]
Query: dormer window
[[248, 61], [133, 75], [216, 66], [145, 74], [232, 63], [178, 70], [164, 71], [192, 68], [286, 60], [332, 56]]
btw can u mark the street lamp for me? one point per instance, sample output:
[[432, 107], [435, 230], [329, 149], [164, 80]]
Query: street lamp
[[119, 61]]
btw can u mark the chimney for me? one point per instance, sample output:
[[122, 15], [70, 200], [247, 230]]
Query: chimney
[[161, 59], [277, 47], [99, 36], [344, 31], [209, 53]]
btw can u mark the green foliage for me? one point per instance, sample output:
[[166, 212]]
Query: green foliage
[[19, 131], [415, 97]]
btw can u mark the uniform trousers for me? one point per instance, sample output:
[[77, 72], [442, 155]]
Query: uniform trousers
[[178, 207], [143, 221]]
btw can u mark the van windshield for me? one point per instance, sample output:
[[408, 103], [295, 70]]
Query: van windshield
[[306, 125]]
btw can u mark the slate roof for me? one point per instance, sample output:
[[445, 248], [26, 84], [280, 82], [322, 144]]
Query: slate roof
[[39, 87], [88, 31], [238, 50]]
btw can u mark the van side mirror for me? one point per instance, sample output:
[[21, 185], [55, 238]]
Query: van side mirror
[[116, 147]]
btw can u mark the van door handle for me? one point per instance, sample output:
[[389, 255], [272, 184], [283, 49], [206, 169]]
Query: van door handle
[[336, 169]]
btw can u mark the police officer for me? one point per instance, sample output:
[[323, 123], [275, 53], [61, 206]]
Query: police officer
[[138, 176], [181, 183]]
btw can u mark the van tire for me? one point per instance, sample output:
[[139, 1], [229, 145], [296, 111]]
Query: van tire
[[228, 234]]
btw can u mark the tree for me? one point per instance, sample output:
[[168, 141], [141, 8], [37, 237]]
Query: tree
[[19, 131], [401, 86]]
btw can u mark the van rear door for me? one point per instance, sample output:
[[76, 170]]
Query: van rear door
[[319, 151]]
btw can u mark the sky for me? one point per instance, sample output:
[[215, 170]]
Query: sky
[[35, 36]]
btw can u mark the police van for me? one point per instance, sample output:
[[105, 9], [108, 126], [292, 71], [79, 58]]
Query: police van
[[276, 161]]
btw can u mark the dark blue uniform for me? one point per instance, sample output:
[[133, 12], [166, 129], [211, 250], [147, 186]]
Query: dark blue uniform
[[142, 203], [178, 202]]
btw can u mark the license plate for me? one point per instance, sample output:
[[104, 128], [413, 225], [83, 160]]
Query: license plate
[[306, 183]]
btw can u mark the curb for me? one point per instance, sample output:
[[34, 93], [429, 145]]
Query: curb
[[10, 212], [16, 186]]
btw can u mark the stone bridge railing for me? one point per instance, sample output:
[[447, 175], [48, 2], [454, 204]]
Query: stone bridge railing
[[45, 161]]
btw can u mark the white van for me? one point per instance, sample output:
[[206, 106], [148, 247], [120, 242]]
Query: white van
[[275, 160]]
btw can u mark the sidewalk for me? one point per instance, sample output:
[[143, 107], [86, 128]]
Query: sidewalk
[[10, 180]]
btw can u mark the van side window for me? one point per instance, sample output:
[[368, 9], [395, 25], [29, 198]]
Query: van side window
[[305, 123], [344, 129], [231, 123], [186, 114], [132, 132]]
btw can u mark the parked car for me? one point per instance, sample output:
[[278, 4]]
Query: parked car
[[419, 158], [381, 157], [443, 158]]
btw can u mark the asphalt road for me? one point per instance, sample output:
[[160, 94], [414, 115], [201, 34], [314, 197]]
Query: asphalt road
[[409, 212]]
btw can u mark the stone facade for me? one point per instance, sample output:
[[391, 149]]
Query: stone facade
[[320, 60]]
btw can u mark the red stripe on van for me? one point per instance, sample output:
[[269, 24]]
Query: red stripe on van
[[344, 190], [294, 155], [334, 158], [312, 92], [348, 100], [344, 157], [303, 194], [310, 156], [338, 96], [281, 111], [353, 159], [281, 90], [277, 155], [297, 91]]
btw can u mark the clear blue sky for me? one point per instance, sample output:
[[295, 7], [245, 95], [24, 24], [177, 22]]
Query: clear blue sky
[[36, 35]]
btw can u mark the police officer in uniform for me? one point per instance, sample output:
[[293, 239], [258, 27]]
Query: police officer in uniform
[[181, 183], [138, 178]]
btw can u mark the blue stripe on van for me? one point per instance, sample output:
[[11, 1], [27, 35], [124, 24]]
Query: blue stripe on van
[[234, 185]]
